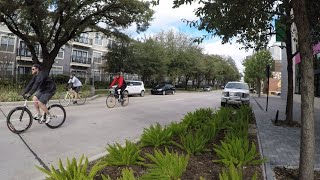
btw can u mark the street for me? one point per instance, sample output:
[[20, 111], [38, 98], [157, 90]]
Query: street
[[89, 128]]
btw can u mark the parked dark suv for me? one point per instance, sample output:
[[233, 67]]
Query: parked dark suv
[[163, 89]]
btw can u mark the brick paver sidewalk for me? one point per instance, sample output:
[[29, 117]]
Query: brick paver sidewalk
[[281, 145]]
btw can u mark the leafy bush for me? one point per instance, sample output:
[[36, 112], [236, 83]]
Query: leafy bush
[[166, 166], [118, 155], [234, 174], [177, 129], [193, 143], [223, 116], [73, 170], [156, 136], [198, 119], [236, 151]]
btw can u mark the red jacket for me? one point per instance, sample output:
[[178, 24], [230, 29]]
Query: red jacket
[[119, 80]]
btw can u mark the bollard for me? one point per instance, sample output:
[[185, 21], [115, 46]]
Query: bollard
[[276, 120]]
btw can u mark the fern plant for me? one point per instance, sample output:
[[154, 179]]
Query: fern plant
[[166, 166], [127, 155], [73, 170], [156, 136], [236, 151], [197, 119], [234, 173], [193, 143], [177, 129], [126, 174]]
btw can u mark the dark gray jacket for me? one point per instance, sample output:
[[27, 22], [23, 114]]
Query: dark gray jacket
[[40, 82]]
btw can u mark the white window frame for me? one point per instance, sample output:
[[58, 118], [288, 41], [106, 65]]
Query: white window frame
[[98, 39], [58, 67], [93, 57], [14, 42]]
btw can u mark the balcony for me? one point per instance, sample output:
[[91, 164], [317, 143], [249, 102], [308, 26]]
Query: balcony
[[80, 61], [82, 41], [25, 55]]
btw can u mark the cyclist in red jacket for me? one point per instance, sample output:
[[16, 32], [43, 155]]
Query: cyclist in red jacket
[[122, 85]]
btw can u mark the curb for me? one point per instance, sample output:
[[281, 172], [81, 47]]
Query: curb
[[267, 171]]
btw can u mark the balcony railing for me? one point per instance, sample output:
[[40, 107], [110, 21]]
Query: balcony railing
[[84, 40], [23, 52], [80, 59]]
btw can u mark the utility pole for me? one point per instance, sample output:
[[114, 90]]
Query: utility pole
[[268, 75]]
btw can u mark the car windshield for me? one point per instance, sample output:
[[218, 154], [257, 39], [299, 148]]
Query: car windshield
[[237, 86], [159, 86]]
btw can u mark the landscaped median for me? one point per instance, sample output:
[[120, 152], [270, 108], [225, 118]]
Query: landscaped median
[[206, 144]]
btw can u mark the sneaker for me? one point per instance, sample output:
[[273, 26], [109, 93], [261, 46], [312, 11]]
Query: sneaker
[[49, 117], [37, 117]]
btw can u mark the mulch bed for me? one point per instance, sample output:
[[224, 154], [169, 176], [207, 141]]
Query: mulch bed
[[283, 173], [199, 165], [284, 123]]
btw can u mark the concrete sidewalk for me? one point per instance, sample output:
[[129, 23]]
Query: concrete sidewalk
[[281, 145]]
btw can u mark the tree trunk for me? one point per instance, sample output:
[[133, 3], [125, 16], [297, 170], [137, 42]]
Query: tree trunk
[[186, 82], [289, 105], [307, 146]]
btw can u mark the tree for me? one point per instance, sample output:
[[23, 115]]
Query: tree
[[252, 23], [255, 67], [51, 24], [303, 20]]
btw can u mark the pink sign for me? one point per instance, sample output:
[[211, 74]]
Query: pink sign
[[316, 50]]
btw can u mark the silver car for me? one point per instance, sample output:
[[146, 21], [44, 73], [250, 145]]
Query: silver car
[[235, 93]]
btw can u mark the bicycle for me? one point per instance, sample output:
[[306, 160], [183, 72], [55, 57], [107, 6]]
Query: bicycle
[[20, 118], [113, 97], [66, 97]]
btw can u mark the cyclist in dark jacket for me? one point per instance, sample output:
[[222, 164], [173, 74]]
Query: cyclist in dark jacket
[[44, 88]]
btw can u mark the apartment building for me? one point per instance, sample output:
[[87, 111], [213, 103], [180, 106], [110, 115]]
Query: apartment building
[[83, 55]]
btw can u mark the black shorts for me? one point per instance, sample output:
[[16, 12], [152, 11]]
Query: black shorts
[[76, 89], [44, 97]]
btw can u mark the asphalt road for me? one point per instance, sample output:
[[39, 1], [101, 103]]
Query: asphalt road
[[89, 128]]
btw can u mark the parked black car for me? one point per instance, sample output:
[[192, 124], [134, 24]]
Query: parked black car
[[163, 89]]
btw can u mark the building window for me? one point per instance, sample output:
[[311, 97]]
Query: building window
[[7, 43], [61, 53], [24, 70], [24, 51], [98, 39], [111, 43], [97, 57], [79, 73], [56, 70], [83, 38], [97, 74], [79, 56]]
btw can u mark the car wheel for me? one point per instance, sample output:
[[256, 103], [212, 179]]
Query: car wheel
[[223, 104], [173, 92], [163, 92], [142, 93]]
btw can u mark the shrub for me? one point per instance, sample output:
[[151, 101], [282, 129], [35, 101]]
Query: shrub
[[127, 174], [199, 118], [233, 174], [193, 143], [118, 155], [73, 170], [236, 151], [156, 136], [166, 166], [177, 129]]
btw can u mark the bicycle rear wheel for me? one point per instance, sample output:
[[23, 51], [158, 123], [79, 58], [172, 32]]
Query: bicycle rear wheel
[[19, 120], [65, 99], [81, 98], [111, 101], [125, 100], [58, 114]]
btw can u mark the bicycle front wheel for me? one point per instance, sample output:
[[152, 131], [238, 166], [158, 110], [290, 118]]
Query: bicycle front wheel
[[19, 120], [58, 114], [65, 99], [125, 100], [81, 98], [111, 101]]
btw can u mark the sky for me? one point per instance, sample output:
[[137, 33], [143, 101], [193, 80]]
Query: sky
[[166, 18]]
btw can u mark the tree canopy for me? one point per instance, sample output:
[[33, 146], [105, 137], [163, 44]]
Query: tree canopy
[[51, 23]]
